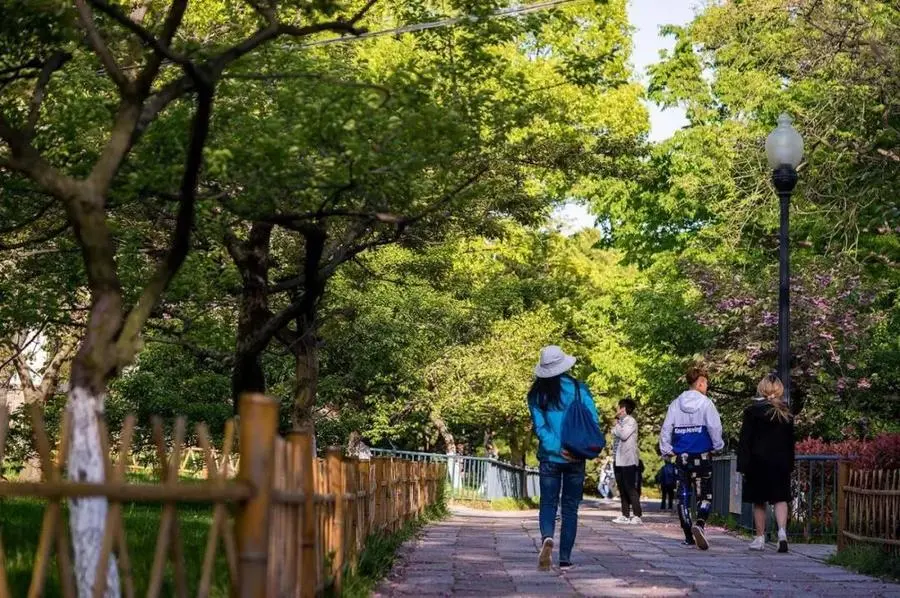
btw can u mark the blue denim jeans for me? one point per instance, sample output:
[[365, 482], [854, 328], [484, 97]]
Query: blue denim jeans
[[566, 479]]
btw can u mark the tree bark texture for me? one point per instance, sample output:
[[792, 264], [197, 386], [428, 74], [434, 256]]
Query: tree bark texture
[[252, 260]]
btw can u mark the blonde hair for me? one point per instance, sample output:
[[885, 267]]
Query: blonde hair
[[772, 390]]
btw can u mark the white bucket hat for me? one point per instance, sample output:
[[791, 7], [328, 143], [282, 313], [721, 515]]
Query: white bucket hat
[[553, 362]]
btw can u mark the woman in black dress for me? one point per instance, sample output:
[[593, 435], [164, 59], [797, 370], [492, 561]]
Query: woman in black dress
[[766, 458]]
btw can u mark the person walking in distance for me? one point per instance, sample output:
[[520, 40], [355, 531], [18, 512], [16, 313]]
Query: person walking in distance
[[625, 463], [691, 432], [667, 478], [765, 457], [561, 473]]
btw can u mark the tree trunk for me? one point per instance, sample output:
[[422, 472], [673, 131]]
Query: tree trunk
[[454, 463], [87, 516], [306, 354], [252, 260], [517, 449], [306, 379], [489, 449], [444, 432], [247, 375]]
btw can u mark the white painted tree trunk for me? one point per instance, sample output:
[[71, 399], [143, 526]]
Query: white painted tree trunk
[[87, 516]]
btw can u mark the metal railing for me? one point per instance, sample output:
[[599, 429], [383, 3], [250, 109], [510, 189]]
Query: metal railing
[[813, 513], [477, 478]]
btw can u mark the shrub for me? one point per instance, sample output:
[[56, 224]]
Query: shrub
[[882, 452], [850, 447]]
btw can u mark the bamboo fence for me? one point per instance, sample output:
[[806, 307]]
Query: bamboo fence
[[869, 507], [288, 525]]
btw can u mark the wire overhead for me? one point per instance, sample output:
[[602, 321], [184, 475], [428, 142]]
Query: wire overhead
[[500, 13]]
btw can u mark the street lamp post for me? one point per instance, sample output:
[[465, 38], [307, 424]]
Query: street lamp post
[[784, 150]]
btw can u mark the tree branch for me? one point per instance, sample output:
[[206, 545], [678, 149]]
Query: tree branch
[[24, 374], [170, 26], [273, 30], [226, 359], [13, 73], [52, 65], [180, 243], [48, 236], [25, 158], [86, 16], [287, 284], [173, 20], [5, 230], [50, 375], [304, 304], [290, 219], [18, 347], [233, 246], [158, 102]]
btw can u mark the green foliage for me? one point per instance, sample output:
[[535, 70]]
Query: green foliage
[[868, 560], [702, 220], [22, 518], [505, 504], [380, 552], [167, 382]]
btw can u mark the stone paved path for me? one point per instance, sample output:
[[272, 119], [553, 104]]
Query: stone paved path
[[495, 554]]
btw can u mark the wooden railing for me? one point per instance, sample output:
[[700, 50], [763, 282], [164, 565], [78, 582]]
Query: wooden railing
[[289, 525], [868, 507], [193, 462]]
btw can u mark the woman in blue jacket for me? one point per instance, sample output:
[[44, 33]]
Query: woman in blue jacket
[[562, 475]]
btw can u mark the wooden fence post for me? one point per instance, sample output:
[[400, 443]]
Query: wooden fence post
[[843, 480], [392, 496], [407, 491], [420, 490], [258, 427], [351, 479], [365, 478], [338, 490], [303, 461], [376, 496]]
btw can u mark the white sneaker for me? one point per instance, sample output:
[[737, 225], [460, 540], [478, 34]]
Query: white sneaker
[[544, 558], [758, 543], [782, 541], [635, 520], [700, 536], [621, 519]]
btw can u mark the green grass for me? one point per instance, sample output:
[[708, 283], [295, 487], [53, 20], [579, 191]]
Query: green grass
[[502, 504], [379, 553], [730, 523], [20, 522], [869, 560], [651, 492], [795, 530]]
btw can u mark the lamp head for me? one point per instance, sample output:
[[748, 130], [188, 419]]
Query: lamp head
[[784, 145]]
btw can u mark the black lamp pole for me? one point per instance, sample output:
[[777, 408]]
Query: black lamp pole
[[784, 178]]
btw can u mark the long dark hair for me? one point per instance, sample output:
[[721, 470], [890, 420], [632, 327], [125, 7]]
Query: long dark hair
[[545, 393]]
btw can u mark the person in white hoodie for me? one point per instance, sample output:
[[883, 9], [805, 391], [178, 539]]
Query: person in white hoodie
[[691, 432]]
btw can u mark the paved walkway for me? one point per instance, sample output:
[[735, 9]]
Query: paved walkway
[[495, 554]]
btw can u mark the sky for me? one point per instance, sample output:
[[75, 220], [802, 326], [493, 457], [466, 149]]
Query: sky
[[646, 17]]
